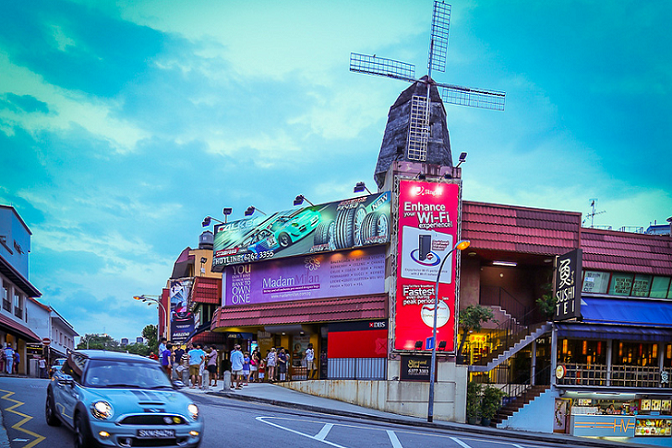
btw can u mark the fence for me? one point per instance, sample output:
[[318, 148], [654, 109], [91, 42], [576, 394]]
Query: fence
[[357, 368], [620, 376]]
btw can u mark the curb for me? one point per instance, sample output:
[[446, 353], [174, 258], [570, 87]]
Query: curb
[[482, 430]]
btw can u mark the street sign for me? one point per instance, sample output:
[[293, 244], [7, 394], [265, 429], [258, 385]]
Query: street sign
[[46, 341], [429, 343]]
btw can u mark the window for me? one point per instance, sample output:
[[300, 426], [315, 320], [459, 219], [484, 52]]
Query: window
[[641, 285], [18, 304], [6, 304], [621, 284], [659, 287], [597, 282]]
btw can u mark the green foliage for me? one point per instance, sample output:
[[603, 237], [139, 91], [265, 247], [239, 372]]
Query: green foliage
[[547, 302], [99, 342], [151, 335], [491, 401], [471, 318], [138, 349], [474, 396]]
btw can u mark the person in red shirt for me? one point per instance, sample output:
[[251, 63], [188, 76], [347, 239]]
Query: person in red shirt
[[153, 356]]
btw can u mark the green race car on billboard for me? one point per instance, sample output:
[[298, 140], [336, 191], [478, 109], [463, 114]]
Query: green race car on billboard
[[356, 222]]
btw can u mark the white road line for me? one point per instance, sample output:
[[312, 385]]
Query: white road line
[[263, 419], [459, 442], [324, 432], [393, 438]]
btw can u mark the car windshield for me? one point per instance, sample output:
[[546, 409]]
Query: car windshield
[[126, 374]]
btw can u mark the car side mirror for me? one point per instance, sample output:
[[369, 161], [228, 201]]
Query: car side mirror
[[177, 384]]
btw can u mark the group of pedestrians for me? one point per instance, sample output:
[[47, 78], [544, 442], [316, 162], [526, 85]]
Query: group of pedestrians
[[9, 360], [193, 366], [252, 368]]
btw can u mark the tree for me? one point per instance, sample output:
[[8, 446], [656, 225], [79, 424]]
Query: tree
[[151, 335], [138, 349], [99, 342], [471, 319], [547, 301]]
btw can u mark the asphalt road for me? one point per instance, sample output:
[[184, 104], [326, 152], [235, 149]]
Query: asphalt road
[[237, 424]]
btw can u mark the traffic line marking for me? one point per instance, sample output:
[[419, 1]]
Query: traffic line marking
[[459, 442], [263, 419], [394, 439], [26, 418], [324, 432]]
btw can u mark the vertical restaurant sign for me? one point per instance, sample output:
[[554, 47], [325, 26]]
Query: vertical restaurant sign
[[181, 319], [567, 291], [428, 230]]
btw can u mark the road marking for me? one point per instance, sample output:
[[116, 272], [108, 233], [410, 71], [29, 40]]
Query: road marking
[[459, 442], [26, 418], [263, 419], [324, 432], [19, 440], [393, 438]]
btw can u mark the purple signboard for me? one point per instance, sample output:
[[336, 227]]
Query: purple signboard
[[339, 274]]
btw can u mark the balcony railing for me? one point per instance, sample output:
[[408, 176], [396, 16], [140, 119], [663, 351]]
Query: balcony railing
[[619, 376]]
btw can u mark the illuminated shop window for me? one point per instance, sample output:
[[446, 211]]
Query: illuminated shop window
[[641, 285], [621, 284], [659, 287], [595, 281]]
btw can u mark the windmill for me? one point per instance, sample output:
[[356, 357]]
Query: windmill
[[420, 110]]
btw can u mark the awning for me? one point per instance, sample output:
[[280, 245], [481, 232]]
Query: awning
[[15, 327], [302, 311], [627, 312], [622, 332], [19, 280]]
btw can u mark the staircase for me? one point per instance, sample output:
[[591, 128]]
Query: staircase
[[504, 352], [514, 406]]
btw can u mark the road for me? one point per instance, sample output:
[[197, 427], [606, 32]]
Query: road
[[236, 424]]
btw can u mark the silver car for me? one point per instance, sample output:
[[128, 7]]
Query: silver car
[[120, 400]]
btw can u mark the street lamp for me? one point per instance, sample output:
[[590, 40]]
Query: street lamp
[[299, 200], [149, 299], [461, 245]]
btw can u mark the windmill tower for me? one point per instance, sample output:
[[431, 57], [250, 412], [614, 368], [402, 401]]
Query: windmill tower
[[416, 129]]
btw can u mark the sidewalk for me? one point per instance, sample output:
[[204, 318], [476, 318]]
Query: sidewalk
[[280, 396]]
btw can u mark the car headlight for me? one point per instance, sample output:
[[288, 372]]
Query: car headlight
[[102, 410], [193, 410]]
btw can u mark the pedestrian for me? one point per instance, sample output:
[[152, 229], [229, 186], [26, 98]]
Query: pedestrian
[[310, 362], [9, 358], [185, 366], [262, 370], [162, 346], [196, 359], [254, 365], [282, 364], [17, 359], [177, 362], [153, 356], [212, 366], [246, 368], [270, 365], [167, 360], [237, 361]]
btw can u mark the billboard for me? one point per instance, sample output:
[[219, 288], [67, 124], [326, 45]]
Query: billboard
[[567, 286], [181, 319], [336, 274], [347, 224], [428, 230]]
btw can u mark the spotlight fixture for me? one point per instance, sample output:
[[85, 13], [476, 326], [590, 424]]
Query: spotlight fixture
[[359, 187], [299, 200], [226, 211], [418, 345], [251, 209], [208, 219], [422, 176], [442, 345], [463, 158]]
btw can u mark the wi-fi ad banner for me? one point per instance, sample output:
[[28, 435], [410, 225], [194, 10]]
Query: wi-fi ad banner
[[428, 231], [347, 224]]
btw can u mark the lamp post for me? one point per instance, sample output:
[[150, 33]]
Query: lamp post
[[148, 299], [461, 245]]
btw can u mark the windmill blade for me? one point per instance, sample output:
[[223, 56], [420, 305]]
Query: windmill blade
[[439, 43], [464, 96], [373, 65]]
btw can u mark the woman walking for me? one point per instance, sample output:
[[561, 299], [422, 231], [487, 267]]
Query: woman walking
[[254, 365], [282, 364], [212, 365]]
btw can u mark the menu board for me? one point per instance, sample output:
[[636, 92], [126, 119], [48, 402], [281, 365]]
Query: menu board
[[666, 405], [646, 405], [653, 427], [641, 285], [621, 284]]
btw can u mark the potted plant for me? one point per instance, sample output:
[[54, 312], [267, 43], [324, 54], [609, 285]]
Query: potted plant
[[474, 391], [490, 403]]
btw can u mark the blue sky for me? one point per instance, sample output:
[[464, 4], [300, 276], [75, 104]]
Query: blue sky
[[123, 124]]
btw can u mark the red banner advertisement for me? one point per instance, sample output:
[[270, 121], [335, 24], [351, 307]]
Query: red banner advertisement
[[428, 231]]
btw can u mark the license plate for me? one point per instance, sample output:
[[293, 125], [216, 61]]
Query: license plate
[[156, 433]]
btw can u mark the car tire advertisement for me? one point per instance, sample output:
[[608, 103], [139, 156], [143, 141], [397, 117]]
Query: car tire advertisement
[[347, 224], [428, 231]]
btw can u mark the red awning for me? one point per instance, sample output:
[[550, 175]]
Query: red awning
[[15, 327], [303, 311], [207, 290]]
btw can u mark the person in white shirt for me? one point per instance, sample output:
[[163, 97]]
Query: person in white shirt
[[310, 362]]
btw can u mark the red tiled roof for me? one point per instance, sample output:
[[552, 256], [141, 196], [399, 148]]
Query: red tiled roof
[[628, 252], [520, 229], [303, 311], [207, 290], [210, 337]]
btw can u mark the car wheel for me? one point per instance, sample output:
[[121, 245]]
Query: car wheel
[[50, 412], [375, 225], [284, 240], [82, 437]]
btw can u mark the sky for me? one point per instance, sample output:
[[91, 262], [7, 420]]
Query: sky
[[123, 124]]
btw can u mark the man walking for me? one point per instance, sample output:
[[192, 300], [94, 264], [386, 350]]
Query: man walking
[[237, 367], [9, 358], [167, 360], [196, 358], [177, 362]]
